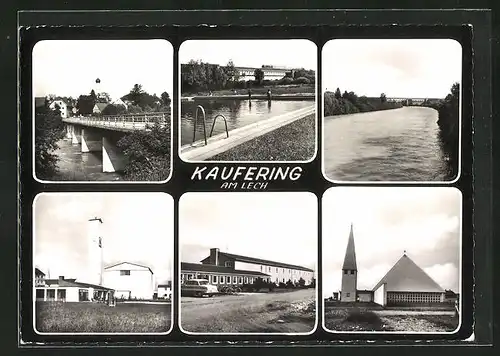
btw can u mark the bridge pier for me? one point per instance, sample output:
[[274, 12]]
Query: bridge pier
[[68, 134], [76, 133], [112, 158], [91, 140]]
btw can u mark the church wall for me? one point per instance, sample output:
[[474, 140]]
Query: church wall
[[365, 297], [380, 295]]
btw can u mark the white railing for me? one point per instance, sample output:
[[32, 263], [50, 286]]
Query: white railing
[[128, 121]]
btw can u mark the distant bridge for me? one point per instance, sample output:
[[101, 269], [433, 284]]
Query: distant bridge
[[101, 133], [416, 101]]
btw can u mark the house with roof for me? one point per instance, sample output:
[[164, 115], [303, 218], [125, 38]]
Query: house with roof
[[404, 284], [230, 269], [99, 107], [130, 280], [64, 107], [69, 290]]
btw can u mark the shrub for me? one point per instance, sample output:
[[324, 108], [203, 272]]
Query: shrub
[[301, 80]]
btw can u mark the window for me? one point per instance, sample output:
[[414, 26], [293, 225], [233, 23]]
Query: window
[[228, 279], [40, 294], [61, 294], [345, 271], [269, 268], [246, 280], [240, 280], [348, 294], [235, 280], [227, 263], [261, 268], [125, 272], [51, 294], [276, 269], [83, 295], [214, 279], [352, 271]]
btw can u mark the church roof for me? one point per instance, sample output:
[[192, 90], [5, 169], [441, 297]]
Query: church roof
[[350, 254], [407, 276]]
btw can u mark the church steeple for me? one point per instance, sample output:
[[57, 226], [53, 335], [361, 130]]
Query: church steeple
[[349, 272], [350, 253]]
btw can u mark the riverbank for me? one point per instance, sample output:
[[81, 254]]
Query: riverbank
[[292, 142], [350, 103], [275, 90]]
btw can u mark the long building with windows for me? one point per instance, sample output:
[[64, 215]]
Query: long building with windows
[[404, 283], [230, 269]]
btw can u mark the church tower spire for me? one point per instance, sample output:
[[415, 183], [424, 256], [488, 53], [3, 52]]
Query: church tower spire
[[349, 271]]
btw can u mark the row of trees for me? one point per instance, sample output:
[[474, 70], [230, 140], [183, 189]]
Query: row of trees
[[448, 114], [337, 103], [199, 76], [139, 101]]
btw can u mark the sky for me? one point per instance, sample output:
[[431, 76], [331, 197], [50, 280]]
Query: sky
[[281, 227], [70, 67], [415, 68], [424, 221], [251, 53], [137, 227]]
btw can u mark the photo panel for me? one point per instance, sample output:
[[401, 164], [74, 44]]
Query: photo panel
[[248, 100], [248, 263], [392, 260], [391, 110], [103, 263], [102, 110]]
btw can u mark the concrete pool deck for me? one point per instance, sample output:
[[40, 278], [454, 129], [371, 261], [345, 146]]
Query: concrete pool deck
[[298, 96], [217, 144]]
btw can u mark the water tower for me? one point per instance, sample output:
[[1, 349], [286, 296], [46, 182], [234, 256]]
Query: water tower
[[94, 251]]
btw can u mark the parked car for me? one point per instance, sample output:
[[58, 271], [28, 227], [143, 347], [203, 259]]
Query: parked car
[[198, 288]]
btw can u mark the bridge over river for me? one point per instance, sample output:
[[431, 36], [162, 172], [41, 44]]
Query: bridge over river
[[101, 134]]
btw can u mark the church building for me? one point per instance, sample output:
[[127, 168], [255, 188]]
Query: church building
[[404, 284]]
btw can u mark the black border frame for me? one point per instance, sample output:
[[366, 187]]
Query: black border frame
[[481, 108]]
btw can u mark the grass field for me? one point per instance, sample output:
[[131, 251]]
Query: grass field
[[291, 312], [360, 319], [59, 317], [292, 142]]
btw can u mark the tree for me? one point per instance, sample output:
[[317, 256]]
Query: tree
[[259, 75], [165, 98], [103, 98], [302, 282], [93, 95], [233, 75], [383, 98], [148, 153], [338, 95], [49, 129], [85, 104], [112, 109], [135, 94]]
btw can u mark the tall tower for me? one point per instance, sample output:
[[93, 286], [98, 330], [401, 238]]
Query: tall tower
[[94, 252], [349, 272]]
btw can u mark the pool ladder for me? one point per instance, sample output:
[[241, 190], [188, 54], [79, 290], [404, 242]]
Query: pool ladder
[[198, 109]]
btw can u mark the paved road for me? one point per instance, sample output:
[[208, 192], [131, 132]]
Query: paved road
[[259, 312]]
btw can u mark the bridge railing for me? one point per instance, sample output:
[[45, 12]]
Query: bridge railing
[[129, 121]]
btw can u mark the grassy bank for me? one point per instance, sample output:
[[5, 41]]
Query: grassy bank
[[97, 317], [361, 319], [275, 90], [292, 142]]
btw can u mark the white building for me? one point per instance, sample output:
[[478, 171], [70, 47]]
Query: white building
[[63, 107], [130, 280], [276, 272], [270, 72], [164, 291]]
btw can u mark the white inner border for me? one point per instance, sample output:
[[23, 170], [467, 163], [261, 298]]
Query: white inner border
[[248, 333], [172, 299], [339, 181], [316, 130]]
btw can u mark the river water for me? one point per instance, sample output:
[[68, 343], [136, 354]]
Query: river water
[[390, 145], [238, 113], [73, 165]]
